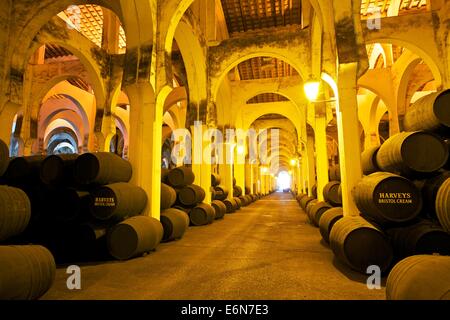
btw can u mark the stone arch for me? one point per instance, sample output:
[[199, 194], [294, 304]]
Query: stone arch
[[425, 53], [239, 56], [38, 14], [190, 40]]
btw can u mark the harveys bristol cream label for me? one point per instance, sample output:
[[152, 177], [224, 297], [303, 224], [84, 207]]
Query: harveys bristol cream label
[[104, 202], [395, 197]]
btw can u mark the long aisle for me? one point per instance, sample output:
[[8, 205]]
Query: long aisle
[[264, 251]]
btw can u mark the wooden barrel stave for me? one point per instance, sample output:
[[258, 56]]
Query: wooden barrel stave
[[101, 168], [180, 177], [58, 169], [369, 160], [168, 196], [15, 212], [443, 205], [412, 154], [191, 195], [349, 239], [202, 214], [429, 113], [27, 273], [420, 277], [134, 236], [215, 179], [219, 208], [424, 237], [331, 193], [327, 221], [317, 211], [386, 198], [117, 201], [175, 223]]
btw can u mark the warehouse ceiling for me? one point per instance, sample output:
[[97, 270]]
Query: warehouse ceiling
[[250, 15], [369, 7], [246, 15]]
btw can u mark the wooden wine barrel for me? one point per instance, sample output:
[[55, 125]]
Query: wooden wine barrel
[[175, 223], [86, 242], [430, 113], [27, 272], [369, 160], [202, 214], [317, 211], [220, 209], [447, 166], [443, 205], [237, 191], [191, 195], [300, 196], [180, 177], [117, 201], [327, 221], [424, 237], [168, 196], [238, 203], [101, 168], [66, 205], [24, 170], [134, 236], [304, 202], [430, 189], [58, 169], [215, 179], [221, 192], [164, 175], [309, 207], [230, 204], [244, 201], [249, 199], [350, 239], [15, 212], [334, 173], [185, 209], [314, 191], [387, 198], [4, 157], [422, 277], [412, 154], [331, 193]]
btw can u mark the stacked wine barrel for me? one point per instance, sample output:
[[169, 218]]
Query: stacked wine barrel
[[220, 194], [83, 207], [26, 271], [403, 198], [182, 203]]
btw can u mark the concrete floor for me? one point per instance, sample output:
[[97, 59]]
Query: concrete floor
[[264, 251]]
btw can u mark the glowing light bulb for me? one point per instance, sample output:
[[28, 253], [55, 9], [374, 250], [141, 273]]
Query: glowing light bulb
[[312, 89]]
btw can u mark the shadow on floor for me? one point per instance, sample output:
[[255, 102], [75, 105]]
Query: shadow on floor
[[353, 275]]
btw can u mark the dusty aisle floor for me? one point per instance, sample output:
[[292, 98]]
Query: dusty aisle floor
[[264, 251]]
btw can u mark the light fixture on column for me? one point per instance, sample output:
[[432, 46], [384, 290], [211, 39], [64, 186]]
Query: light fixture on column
[[293, 162], [240, 149], [264, 169], [312, 88]]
